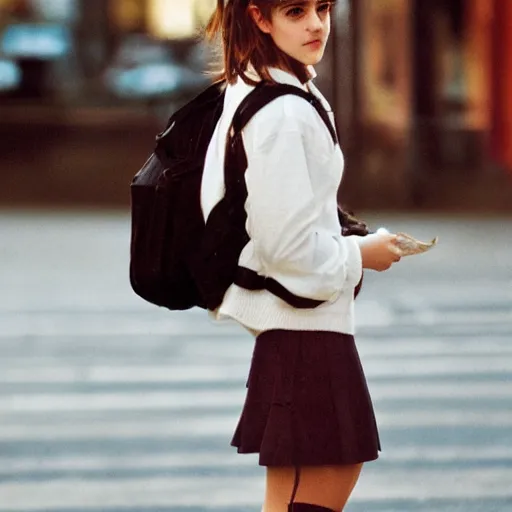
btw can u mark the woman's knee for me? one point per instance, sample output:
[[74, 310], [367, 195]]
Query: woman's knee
[[326, 486]]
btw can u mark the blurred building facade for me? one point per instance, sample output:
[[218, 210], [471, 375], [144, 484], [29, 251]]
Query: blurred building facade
[[433, 109], [420, 88]]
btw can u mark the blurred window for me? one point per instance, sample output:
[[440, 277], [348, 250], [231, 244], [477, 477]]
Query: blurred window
[[167, 20], [178, 18], [65, 11], [164, 19], [101, 52], [36, 40]]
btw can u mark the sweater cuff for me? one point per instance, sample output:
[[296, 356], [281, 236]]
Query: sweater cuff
[[354, 262]]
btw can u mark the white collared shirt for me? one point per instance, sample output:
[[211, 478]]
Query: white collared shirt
[[293, 174]]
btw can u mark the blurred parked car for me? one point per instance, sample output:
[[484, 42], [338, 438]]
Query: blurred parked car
[[145, 70], [44, 41]]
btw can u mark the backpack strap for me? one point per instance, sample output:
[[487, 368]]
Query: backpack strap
[[236, 190], [251, 280], [264, 93]]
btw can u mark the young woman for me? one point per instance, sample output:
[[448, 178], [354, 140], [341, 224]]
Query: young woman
[[308, 412]]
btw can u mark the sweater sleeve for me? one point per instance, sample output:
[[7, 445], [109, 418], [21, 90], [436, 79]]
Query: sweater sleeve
[[283, 219]]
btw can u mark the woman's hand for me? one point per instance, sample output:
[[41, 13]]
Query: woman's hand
[[377, 251]]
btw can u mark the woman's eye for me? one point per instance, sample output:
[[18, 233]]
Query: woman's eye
[[324, 7], [296, 11]]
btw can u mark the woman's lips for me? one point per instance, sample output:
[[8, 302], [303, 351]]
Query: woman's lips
[[314, 43]]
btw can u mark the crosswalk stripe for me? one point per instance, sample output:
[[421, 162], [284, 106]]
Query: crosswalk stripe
[[214, 458], [50, 324], [211, 458], [242, 490], [239, 348], [208, 425], [375, 366], [193, 399]]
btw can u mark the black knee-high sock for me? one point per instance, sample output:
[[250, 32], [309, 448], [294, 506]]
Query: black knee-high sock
[[307, 507]]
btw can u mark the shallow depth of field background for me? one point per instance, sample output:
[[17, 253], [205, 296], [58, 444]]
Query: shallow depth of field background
[[109, 404]]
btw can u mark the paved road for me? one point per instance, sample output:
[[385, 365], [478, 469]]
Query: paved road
[[110, 405]]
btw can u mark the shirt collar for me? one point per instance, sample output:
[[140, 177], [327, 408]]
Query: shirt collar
[[283, 77]]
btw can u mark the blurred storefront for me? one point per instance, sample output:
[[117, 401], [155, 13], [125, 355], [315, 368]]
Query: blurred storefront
[[420, 88], [432, 98], [80, 52], [85, 86]]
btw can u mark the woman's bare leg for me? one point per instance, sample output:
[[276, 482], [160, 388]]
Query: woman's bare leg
[[327, 486]]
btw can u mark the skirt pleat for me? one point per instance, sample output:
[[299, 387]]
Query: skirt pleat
[[307, 402]]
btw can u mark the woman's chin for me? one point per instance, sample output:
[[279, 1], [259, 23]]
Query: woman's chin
[[312, 58]]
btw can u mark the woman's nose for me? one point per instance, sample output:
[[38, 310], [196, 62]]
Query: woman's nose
[[314, 22]]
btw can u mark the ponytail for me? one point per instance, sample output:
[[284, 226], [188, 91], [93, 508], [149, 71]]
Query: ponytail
[[232, 27], [214, 26]]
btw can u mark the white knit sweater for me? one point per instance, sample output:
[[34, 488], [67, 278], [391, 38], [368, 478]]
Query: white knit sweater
[[294, 171]]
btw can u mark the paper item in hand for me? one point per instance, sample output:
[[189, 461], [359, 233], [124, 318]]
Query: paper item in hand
[[406, 245]]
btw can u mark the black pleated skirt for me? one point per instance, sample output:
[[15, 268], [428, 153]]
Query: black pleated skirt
[[307, 402]]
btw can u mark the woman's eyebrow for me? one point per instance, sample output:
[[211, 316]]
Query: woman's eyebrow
[[285, 4]]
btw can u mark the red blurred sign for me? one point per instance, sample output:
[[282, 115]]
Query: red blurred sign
[[501, 132]]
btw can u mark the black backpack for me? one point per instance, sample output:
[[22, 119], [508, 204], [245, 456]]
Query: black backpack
[[176, 260]]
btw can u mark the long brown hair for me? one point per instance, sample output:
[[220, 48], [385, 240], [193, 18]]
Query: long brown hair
[[243, 43]]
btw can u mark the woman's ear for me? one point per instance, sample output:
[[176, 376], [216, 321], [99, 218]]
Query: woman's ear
[[258, 18]]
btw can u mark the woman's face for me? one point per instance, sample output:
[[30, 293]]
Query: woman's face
[[299, 28]]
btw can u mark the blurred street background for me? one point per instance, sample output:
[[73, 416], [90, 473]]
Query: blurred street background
[[108, 404], [421, 89]]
